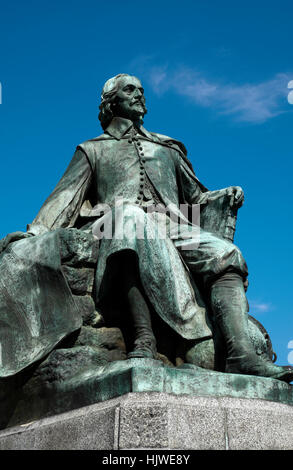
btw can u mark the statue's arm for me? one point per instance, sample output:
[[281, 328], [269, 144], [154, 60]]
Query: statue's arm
[[62, 207], [235, 193]]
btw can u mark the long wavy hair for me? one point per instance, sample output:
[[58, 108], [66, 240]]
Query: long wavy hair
[[108, 100]]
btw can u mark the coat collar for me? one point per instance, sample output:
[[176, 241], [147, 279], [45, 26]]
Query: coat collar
[[120, 126]]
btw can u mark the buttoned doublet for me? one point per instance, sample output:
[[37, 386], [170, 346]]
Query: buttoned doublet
[[143, 168]]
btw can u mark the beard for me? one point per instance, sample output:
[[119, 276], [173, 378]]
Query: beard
[[134, 111]]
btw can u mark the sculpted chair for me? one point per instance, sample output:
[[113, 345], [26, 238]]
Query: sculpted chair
[[219, 217]]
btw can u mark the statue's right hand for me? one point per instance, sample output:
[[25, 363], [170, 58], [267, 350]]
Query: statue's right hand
[[13, 237]]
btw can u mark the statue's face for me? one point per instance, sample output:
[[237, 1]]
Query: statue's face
[[130, 99]]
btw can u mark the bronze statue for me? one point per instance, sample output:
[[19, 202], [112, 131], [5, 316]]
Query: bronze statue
[[194, 279]]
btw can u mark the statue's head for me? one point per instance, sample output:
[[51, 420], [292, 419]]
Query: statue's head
[[123, 96]]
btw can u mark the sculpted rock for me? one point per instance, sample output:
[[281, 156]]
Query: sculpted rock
[[102, 338], [80, 280], [87, 309], [92, 348], [78, 248]]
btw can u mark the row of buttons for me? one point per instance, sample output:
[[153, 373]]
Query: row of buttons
[[139, 148]]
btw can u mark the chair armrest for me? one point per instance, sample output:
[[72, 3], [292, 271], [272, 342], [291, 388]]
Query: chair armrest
[[217, 216]]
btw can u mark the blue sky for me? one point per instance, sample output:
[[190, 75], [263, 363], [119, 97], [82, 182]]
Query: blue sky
[[215, 76]]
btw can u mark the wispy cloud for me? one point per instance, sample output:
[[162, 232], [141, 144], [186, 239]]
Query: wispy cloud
[[250, 102], [260, 307]]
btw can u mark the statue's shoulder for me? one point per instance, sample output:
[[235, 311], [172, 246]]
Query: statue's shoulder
[[175, 144], [90, 143], [89, 147]]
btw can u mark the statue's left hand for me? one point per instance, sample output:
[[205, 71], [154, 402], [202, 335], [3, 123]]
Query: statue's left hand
[[237, 195], [13, 237]]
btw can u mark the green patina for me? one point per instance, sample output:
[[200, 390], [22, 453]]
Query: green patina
[[136, 376], [180, 299]]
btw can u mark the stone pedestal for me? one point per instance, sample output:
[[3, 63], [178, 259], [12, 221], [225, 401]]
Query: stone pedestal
[[119, 378], [144, 404], [152, 420]]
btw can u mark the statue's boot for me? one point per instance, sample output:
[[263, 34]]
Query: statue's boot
[[145, 341], [229, 305], [144, 345]]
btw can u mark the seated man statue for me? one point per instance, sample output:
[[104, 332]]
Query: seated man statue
[[125, 181]]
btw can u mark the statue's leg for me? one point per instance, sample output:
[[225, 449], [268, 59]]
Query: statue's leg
[[144, 341], [229, 306], [166, 287], [223, 270]]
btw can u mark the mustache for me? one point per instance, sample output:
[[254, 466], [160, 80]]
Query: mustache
[[139, 101]]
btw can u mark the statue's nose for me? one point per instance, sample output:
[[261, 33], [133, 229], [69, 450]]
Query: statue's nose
[[138, 93]]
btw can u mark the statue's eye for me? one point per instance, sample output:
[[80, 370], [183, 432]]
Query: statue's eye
[[129, 89]]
